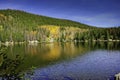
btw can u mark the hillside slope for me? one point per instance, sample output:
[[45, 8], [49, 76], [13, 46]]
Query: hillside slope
[[20, 17], [18, 25]]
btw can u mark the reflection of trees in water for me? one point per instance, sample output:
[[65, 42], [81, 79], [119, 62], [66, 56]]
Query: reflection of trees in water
[[34, 49], [108, 45], [44, 54], [99, 45], [9, 68]]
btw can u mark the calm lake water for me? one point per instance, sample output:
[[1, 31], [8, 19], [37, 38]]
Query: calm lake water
[[69, 61]]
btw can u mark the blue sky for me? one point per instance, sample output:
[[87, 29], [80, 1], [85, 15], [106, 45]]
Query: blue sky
[[100, 13]]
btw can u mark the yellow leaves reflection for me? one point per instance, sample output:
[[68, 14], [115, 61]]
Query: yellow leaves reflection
[[55, 51]]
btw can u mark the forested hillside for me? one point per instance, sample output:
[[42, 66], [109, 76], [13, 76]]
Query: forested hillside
[[23, 19], [20, 26], [99, 34]]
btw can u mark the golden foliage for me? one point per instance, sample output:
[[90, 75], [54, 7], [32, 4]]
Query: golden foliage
[[55, 31], [2, 16]]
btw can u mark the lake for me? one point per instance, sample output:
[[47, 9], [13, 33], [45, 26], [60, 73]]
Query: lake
[[68, 61]]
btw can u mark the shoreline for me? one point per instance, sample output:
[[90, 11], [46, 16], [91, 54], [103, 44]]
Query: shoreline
[[37, 42]]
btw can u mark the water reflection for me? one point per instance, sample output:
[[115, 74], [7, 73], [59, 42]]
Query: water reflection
[[96, 65], [45, 55]]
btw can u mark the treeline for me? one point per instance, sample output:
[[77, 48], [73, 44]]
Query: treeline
[[99, 34]]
